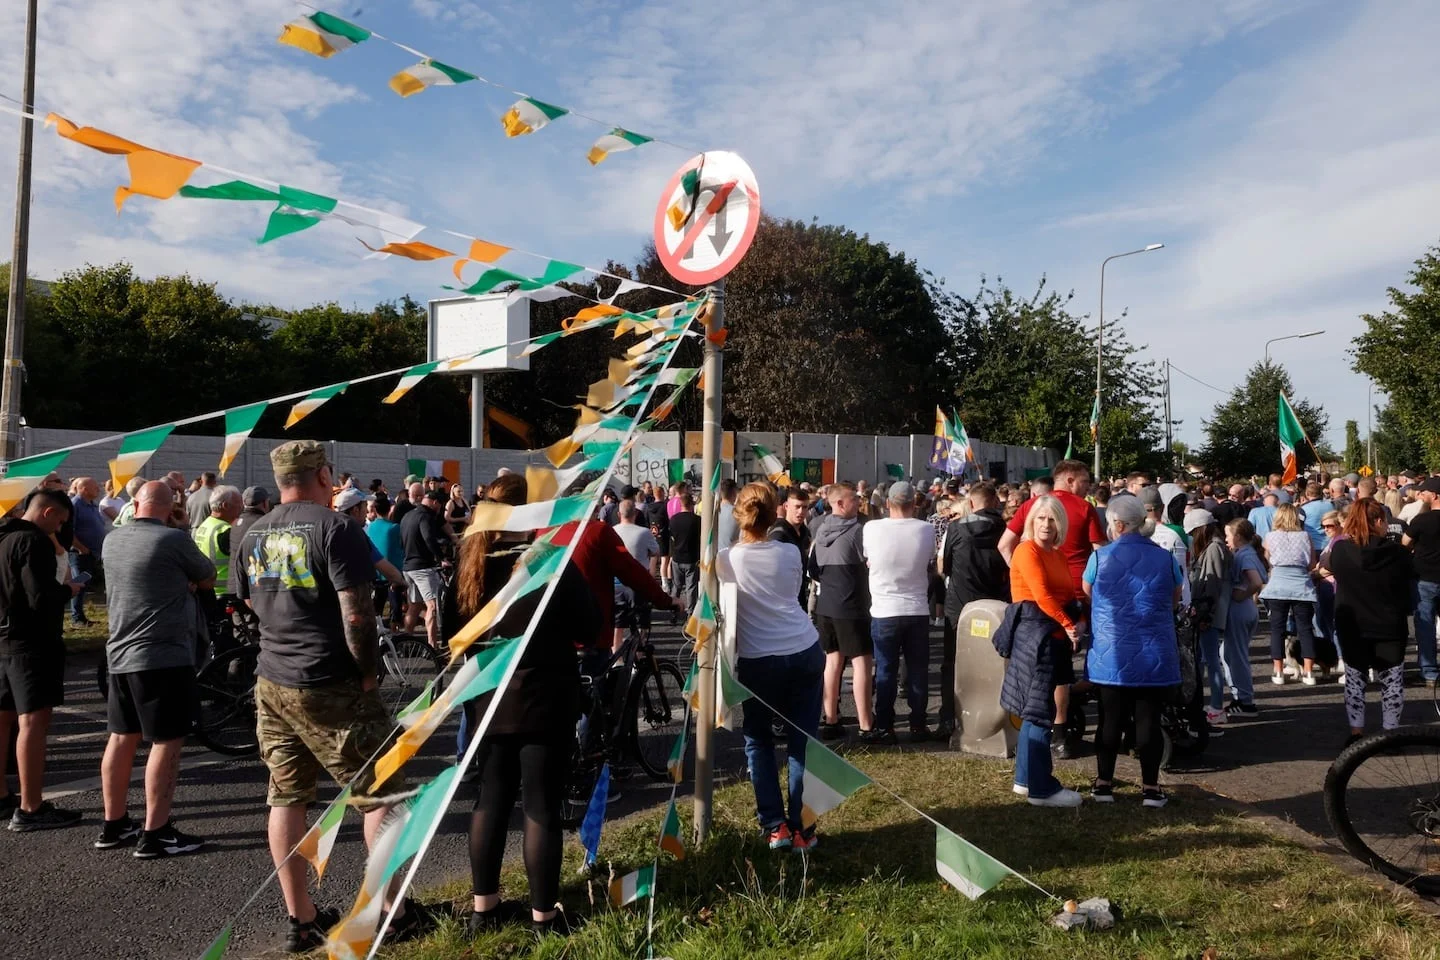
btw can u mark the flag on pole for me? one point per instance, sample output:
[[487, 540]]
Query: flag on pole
[[670, 833], [1291, 435], [960, 454], [594, 821], [632, 886], [1069, 443], [135, 451], [238, 424], [771, 466], [311, 403], [1095, 420], [965, 866], [25, 475], [827, 782], [322, 34], [449, 469], [940, 445], [319, 840]]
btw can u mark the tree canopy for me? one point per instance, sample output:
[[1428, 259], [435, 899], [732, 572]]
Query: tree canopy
[[1242, 437]]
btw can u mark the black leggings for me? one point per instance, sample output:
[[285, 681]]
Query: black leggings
[[537, 763], [1118, 706]]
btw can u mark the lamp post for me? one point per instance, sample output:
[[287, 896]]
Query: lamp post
[[1293, 336], [1100, 344]]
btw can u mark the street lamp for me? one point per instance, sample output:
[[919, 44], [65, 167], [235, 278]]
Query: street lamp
[[1100, 343], [1293, 336]]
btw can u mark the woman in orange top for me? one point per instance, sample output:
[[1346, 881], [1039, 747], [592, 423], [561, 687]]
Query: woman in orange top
[[1040, 655]]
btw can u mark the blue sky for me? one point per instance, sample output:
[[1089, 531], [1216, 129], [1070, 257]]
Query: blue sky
[[1285, 153]]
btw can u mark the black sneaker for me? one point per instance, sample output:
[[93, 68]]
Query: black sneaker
[[1062, 749], [559, 925], [943, 731], [117, 833], [1238, 709], [414, 923], [166, 842], [304, 937], [878, 738], [489, 921], [1155, 798], [46, 817], [832, 731], [1102, 794]]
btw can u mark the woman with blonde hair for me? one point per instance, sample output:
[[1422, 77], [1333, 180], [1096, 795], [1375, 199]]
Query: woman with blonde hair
[[780, 661], [1038, 639], [1290, 590], [1248, 572]]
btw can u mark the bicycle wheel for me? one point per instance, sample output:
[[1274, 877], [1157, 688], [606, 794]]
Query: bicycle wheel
[[407, 664], [579, 785], [657, 708], [225, 713], [1382, 798]]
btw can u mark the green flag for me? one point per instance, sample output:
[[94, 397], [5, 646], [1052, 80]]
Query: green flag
[[965, 866], [1291, 435]]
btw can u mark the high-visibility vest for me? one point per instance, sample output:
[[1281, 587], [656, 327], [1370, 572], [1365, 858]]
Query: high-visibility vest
[[207, 538]]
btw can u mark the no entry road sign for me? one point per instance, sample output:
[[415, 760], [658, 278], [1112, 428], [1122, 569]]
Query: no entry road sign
[[707, 217]]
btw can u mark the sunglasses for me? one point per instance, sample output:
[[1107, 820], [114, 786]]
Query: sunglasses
[[1330, 526]]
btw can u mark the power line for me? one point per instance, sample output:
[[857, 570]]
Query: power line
[[1197, 379]]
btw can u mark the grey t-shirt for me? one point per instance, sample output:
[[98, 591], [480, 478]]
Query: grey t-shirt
[[154, 620], [197, 506], [639, 541], [727, 531], [296, 558]]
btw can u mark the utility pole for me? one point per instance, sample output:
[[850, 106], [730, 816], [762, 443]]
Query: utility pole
[[705, 721], [19, 267], [1169, 437]]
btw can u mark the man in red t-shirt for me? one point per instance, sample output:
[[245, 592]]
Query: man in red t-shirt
[[1083, 534]]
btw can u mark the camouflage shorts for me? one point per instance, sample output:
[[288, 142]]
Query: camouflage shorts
[[302, 729]]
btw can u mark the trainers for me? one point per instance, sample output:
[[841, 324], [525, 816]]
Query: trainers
[[1102, 794], [46, 817], [166, 842], [117, 833], [780, 838], [1156, 798], [878, 738], [1060, 798], [488, 921], [832, 731], [800, 843], [1308, 679], [1215, 717], [304, 937], [1279, 679], [1063, 749], [1237, 709], [1019, 789], [415, 922]]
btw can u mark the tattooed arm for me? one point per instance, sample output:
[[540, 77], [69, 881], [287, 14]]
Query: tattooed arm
[[357, 613]]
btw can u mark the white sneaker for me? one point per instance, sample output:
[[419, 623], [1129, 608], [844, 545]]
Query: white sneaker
[[1308, 679], [1019, 791], [1279, 679], [1340, 670], [1215, 717], [1061, 798]]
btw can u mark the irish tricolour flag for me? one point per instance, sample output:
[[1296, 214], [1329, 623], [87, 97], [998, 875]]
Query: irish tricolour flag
[[614, 142], [238, 424], [319, 840], [426, 74], [136, 449], [322, 34], [828, 781], [771, 466], [1291, 435], [25, 475], [965, 866], [529, 115], [449, 469], [632, 886]]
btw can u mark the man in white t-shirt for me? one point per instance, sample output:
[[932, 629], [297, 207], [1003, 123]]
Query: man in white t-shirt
[[638, 540], [898, 550]]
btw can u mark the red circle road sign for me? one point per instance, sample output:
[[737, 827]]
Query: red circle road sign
[[707, 217]]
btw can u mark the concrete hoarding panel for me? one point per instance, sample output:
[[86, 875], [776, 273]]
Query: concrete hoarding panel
[[892, 450], [855, 458], [747, 465], [813, 446]]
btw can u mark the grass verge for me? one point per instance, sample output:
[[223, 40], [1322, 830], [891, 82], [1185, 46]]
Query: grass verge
[[92, 636], [1189, 878]]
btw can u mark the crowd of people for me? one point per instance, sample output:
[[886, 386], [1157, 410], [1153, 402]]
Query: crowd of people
[[1093, 576]]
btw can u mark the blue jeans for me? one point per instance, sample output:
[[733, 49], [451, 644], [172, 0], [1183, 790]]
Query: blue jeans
[[80, 564], [1033, 764], [894, 637], [794, 685], [1239, 628], [1210, 641], [1426, 594]]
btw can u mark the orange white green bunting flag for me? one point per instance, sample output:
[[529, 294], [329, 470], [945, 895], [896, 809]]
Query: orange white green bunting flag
[[408, 380], [632, 886], [426, 74], [529, 115], [136, 449], [25, 475], [827, 782], [238, 424], [490, 516], [965, 866], [679, 212], [670, 833], [319, 840], [153, 173], [322, 34], [614, 142], [412, 250], [481, 251], [701, 625], [311, 403], [220, 944], [676, 764], [536, 567]]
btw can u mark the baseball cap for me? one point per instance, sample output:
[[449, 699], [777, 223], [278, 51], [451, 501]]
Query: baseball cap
[[901, 492], [254, 496], [439, 496], [1196, 519], [628, 492], [298, 456], [348, 498], [411, 478], [1431, 485]]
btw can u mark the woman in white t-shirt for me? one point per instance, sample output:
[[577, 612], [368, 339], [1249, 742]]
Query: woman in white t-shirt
[[110, 505], [780, 662]]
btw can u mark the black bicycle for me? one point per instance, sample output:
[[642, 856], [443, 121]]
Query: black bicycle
[[633, 707]]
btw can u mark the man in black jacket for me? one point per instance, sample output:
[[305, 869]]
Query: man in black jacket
[[422, 533], [32, 654], [790, 527], [973, 569], [843, 612]]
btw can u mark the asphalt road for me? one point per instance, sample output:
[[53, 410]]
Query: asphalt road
[[64, 899]]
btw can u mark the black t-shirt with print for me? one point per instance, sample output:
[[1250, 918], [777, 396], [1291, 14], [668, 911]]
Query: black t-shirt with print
[[295, 559]]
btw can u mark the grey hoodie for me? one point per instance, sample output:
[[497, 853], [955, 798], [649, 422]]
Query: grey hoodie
[[838, 566]]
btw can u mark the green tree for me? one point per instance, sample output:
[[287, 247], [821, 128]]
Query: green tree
[[1396, 448], [1242, 436], [1354, 450], [1023, 368], [1400, 351]]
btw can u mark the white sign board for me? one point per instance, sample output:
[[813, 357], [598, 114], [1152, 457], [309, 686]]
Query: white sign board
[[466, 325]]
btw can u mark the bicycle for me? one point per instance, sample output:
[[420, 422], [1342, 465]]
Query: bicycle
[[634, 706], [1382, 798]]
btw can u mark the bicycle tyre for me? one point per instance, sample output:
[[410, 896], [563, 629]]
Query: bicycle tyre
[[402, 677], [654, 715], [225, 703], [1423, 815]]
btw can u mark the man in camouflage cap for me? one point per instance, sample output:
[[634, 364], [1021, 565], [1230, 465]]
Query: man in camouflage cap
[[307, 574]]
